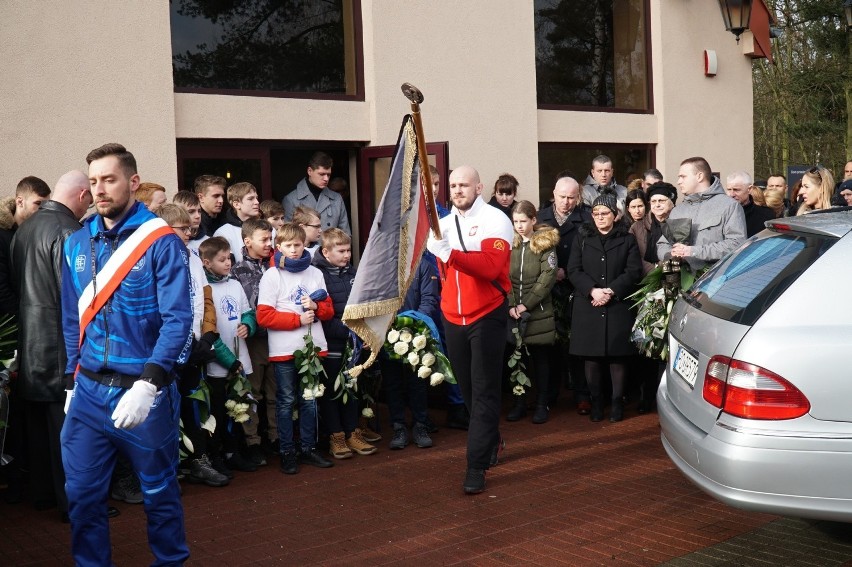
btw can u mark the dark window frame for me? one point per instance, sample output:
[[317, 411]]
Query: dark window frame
[[359, 95], [649, 82]]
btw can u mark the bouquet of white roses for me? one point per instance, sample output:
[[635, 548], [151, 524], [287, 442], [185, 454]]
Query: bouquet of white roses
[[410, 341]]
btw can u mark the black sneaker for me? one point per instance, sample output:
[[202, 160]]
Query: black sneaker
[[495, 453], [256, 455], [202, 472], [542, 412], [239, 463], [474, 481], [458, 417], [288, 463], [400, 436], [420, 433], [220, 466], [127, 489], [313, 458]]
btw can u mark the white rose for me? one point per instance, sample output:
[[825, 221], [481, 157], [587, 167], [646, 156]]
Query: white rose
[[242, 418], [400, 348], [242, 407], [367, 412], [518, 390], [405, 336], [436, 379], [230, 404], [419, 342], [319, 390], [413, 359], [424, 372], [393, 336], [308, 394], [428, 359]]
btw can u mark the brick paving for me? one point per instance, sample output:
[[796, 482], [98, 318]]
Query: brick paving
[[569, 492]]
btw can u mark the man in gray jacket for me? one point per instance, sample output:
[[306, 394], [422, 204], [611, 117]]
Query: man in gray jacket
[[602, 176], [718, 222], [313, 192]]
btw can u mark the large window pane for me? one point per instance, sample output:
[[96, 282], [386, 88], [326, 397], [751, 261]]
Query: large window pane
[[592, 53], [297, 46]]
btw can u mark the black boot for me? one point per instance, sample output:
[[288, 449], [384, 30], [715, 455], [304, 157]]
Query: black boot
[[617, 411], [541, 414], [518, 410], [597, 409]]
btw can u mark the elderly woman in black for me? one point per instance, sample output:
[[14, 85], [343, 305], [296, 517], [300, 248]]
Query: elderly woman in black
[[662, 197], [604, 268]]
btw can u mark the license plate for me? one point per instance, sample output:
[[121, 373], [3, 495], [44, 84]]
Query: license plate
[[685, 364]]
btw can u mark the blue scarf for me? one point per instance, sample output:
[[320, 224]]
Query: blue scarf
[[291, 265]]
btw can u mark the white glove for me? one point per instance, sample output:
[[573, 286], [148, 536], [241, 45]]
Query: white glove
[[440, 248], [134, 405], [68, 395]]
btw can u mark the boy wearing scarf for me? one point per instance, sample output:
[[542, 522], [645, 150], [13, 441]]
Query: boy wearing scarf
[[292, 300]]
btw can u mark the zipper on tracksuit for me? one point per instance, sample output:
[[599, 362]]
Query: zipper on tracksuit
[[108, 308]]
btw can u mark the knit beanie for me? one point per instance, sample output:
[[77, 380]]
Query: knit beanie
[[664, 189], [607, 199]]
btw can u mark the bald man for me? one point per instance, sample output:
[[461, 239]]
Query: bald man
[[473, 259], [567, 214], [36, 260]]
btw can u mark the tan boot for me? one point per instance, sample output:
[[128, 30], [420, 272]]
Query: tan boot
[[337, 446], [357, 443], [366, 433]]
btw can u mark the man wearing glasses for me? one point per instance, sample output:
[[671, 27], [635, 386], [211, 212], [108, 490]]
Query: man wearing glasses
[[718, 221], [313, 192]]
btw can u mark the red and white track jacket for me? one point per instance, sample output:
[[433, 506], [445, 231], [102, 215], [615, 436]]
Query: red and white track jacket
[[468, 277]]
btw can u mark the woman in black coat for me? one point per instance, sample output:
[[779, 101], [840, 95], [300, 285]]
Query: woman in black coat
[[604, 268]]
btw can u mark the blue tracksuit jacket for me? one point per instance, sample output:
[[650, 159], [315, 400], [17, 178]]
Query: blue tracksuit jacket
[[149, 318]]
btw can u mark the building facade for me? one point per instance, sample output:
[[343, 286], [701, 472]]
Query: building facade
[[527, 87]]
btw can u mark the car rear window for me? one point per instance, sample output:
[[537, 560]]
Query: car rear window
[[742, 286]]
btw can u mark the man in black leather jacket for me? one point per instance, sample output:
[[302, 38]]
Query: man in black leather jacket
[[36, 262]]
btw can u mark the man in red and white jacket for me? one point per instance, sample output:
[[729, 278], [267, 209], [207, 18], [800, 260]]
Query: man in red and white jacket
[[474, 260]]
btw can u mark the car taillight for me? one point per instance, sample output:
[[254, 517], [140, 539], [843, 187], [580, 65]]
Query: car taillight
[[749, 391]]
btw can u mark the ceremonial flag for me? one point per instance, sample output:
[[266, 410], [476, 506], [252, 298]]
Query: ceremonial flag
[[394, 248]]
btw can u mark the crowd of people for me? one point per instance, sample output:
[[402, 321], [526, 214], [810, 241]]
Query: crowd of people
[[152, 329]]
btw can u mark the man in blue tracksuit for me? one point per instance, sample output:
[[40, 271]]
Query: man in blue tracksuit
[[120, 379]]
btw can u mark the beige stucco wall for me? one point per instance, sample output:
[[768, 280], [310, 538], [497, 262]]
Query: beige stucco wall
[[79, 74], [698, 115], [475, 63], [73, 81]]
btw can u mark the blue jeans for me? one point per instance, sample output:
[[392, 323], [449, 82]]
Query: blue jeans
[[289, 393], [90, 443]]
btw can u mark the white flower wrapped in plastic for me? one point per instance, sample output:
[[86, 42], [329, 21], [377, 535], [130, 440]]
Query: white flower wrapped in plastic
[[406, 336], [400, 348], [428, 359], [436, 378], [420, 342], [424, 372], [413, 359], [393, 336]]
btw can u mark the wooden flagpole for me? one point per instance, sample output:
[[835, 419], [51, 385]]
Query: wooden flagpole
[[414, 96]]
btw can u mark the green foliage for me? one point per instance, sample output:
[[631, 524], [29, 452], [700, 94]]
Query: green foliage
[[519, 377], [800, 100]]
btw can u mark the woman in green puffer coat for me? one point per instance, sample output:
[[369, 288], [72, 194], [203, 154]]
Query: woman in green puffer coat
[[532, 272]]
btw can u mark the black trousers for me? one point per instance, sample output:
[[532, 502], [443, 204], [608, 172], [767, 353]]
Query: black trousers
[[47, 476], [478, 370]]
